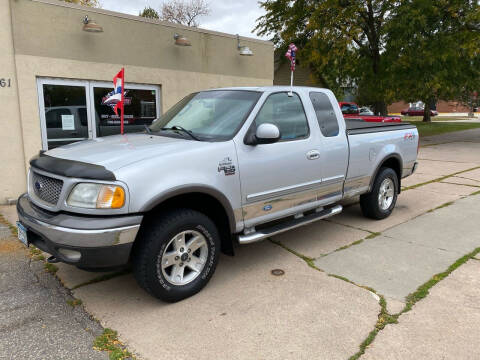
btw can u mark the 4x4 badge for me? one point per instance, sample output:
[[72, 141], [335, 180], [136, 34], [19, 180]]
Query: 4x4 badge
[[226, 165]]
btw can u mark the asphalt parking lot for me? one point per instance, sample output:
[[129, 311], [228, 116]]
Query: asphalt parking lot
[[351, 286]]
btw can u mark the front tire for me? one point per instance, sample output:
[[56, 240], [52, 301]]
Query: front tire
[[380, 201], [176, 255]]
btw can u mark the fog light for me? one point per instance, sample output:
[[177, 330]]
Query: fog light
[[69, 254]]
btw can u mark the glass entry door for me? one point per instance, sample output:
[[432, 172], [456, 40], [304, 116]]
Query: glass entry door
[[74, 110], [63, 112]]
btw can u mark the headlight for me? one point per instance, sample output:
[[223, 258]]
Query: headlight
[[97, 196]]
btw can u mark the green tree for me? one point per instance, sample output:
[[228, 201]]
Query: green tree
[[90, 3], [434, 50], [342, 41], [149, 12]]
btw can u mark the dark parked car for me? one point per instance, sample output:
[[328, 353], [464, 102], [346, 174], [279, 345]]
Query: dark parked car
[[417, 111]]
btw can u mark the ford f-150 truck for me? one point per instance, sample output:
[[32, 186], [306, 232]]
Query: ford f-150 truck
[[351, 110], [223, 166]]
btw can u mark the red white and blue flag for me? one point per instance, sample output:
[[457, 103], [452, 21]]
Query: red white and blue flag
[[291, 54], [116, 98]]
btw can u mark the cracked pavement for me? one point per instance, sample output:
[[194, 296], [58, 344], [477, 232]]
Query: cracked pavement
[[245, 312]]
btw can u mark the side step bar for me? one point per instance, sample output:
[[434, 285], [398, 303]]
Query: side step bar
[[288, 225]]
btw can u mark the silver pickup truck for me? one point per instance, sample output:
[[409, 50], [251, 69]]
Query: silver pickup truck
[[221, 166]]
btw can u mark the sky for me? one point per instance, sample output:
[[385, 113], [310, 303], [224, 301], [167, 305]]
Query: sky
[[230, 16]]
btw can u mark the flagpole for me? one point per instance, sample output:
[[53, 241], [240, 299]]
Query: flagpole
[[291, 54], [291, 84], [122, 102]]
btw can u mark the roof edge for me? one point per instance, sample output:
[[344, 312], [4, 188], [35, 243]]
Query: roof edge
[[147, 20]]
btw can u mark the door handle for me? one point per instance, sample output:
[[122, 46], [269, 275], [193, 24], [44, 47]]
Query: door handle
[[313, 155]]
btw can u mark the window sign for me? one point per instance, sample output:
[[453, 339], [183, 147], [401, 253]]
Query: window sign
[[68, 122]]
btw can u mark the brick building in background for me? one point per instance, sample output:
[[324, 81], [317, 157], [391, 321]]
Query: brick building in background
[[450, 107]]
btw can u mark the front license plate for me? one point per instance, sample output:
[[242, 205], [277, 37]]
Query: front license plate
[[22, 233]]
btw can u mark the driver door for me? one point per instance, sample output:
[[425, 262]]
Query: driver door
[[281, 178]]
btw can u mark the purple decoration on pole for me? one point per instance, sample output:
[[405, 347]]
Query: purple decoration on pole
[[291, 53]]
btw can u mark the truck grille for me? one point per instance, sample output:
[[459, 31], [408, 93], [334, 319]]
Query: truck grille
[[46, 188]]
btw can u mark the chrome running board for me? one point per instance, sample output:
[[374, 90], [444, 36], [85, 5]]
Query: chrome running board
[[288, 225]]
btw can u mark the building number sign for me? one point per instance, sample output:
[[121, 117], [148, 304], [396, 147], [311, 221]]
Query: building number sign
[[5, 82]]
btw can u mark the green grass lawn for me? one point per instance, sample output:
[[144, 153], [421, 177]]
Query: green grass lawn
[[436, 128], [437, 118]]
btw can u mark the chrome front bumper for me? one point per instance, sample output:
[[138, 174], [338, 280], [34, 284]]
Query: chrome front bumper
[[96, 242]]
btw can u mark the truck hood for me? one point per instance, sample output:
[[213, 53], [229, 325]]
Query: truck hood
[[114, 152]]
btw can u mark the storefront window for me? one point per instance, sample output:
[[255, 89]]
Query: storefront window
[[65, 114], [74, 110], [140, 110]]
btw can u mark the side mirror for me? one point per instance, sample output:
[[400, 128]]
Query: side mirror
[[265, 134]]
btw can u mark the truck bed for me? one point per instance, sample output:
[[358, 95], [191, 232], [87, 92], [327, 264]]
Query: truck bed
[[370, 143], [358, 126]]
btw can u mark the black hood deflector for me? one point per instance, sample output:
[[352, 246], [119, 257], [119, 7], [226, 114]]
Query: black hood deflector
[[71, 168]]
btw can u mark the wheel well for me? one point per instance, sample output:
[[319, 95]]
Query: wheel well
[[394, 164], [205, 204]]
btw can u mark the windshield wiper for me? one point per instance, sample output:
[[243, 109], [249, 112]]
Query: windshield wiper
[[147, 129], [179, 128]]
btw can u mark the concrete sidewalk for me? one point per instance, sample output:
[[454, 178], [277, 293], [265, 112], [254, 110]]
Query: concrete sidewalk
[[406, 256], [444, 325], [246, 312]]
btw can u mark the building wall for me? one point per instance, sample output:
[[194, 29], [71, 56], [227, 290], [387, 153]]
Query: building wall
[[301, 76], [442, 107], [451, 107], [49, 42], [12, 170], [397, 107], [50, 28]]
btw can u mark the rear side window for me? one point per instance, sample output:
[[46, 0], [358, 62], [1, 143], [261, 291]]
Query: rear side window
[[327, 120], [287, 113]]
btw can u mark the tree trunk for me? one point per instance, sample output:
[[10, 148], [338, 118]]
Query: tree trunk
[[380, 108], [426, 112], [471, 112]]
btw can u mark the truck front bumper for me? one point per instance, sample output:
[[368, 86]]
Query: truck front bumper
[[89, 242]]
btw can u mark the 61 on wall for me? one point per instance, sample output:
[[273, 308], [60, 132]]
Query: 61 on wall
[[5, 82]]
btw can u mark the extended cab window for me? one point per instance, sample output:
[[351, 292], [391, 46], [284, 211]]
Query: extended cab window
[[325, 114], [287, 113]]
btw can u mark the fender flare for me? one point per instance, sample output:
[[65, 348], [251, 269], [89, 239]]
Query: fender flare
[[190, 189], [395, 156]]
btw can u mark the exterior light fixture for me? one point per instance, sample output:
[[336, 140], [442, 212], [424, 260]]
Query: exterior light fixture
[[181, 40], [243, 50], [91, 25]]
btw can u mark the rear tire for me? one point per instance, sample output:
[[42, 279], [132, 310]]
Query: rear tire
[[176, 255], [380, 201]]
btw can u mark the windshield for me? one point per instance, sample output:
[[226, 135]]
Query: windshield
[[209, 115]]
